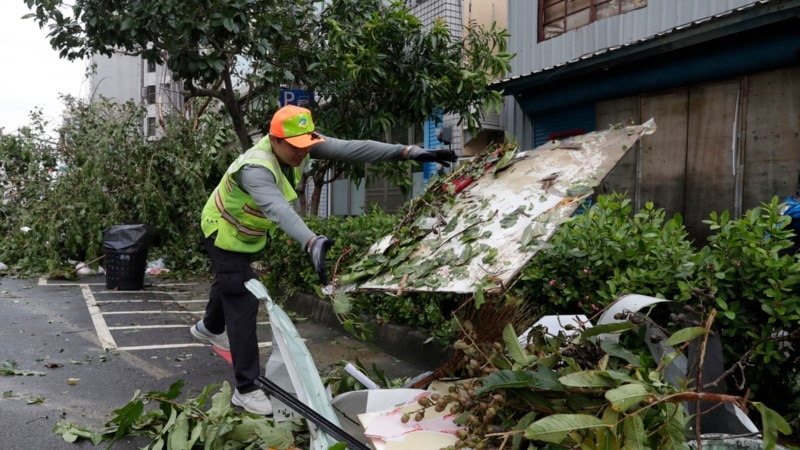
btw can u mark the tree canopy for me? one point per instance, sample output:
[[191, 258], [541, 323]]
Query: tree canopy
[[370, 63]]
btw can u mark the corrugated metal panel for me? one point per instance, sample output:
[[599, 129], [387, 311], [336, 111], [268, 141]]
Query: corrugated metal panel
[[658, 17], [522, 22], [429, 131], [573, 121]]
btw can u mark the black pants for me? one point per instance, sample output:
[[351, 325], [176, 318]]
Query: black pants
[[231, 306]]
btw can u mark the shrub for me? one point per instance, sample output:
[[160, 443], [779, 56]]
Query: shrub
[[744, 273], [102, 172], [607, 252]]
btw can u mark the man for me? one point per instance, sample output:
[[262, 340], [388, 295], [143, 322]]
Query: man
[[251, 202]]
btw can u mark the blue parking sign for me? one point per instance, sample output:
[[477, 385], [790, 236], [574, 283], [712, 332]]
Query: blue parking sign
[[297, 97]]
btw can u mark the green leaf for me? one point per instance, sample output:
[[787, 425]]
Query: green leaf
[[127, 415], [608, 328], [517, 353], [220, 402], [673, 432], [479, 299], [618, 351], [635, 437], [685, 335], [772, 423], [587, 379], [179, 435], [274, 436], [627, 396], [541, 379], [556, 427]]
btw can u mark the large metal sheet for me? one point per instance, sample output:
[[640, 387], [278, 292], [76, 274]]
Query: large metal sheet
[[494, 227]]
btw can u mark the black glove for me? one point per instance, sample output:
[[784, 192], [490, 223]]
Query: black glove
[[441, 156], [318, 248]]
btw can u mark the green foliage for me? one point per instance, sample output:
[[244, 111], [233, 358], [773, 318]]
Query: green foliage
[[744, 273], [607, 252], [354, 236], [370, 63], [102, 172], [207, 420], [289, 268], [566, 391], [339, 381]]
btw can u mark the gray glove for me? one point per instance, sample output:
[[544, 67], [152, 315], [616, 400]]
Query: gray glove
[[441, 156], [318, 248]]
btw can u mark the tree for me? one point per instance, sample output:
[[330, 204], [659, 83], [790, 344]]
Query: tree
[[370, 63]]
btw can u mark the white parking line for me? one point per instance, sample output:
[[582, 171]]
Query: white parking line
[[103, 302], [153, 311], [198, 344], [103, 333], [45, 282], [140, 327]]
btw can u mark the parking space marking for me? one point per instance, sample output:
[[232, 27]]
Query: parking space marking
[[103, 330], [46, 282], [140, 327], [100, 326], [163, 346], [103, 302], [152, 311]]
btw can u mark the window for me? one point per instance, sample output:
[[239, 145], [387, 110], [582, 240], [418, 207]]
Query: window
[[556, 17], [151, 94], [151, 66], [151, 126]]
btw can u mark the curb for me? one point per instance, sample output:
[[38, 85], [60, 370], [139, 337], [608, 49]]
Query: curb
[[399, 341]]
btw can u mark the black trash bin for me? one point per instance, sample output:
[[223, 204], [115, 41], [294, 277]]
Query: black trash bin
[[125, 247]]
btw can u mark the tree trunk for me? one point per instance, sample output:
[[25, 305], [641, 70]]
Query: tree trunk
[[316, 196], [235, 112], [301, 194]]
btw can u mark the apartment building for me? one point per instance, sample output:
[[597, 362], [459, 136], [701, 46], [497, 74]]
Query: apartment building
[[125, 78], [721, 78]]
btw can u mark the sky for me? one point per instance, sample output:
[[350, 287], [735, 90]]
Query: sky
[[34, 75]]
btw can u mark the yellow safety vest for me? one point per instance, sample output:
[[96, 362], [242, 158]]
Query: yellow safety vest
[[233, 215]]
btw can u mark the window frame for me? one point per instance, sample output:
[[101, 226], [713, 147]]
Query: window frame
[[152, 126], [569, 9], [150, 94]]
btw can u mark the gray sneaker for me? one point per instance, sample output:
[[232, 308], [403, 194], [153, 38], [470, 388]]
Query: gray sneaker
[[255, 402], [220, 341]]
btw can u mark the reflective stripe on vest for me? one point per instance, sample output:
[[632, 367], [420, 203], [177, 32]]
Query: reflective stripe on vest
[[232, 213], [233, 220]]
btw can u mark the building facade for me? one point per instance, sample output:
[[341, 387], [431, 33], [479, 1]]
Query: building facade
[[721, 78], [124, 78]]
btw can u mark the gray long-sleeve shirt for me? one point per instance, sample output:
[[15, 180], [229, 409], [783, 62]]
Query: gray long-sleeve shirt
[[259, 182]]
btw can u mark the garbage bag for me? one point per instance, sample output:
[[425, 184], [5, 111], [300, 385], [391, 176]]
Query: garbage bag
[[133, 238]]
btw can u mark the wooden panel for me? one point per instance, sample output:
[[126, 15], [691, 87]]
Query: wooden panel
[[710, 182], [621, 111], [663, 164], [771, 136]]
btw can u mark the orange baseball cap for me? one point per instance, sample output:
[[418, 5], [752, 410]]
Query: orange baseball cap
[[294, 124]]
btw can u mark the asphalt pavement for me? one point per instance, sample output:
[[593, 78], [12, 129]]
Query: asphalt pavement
[[79, 351]]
